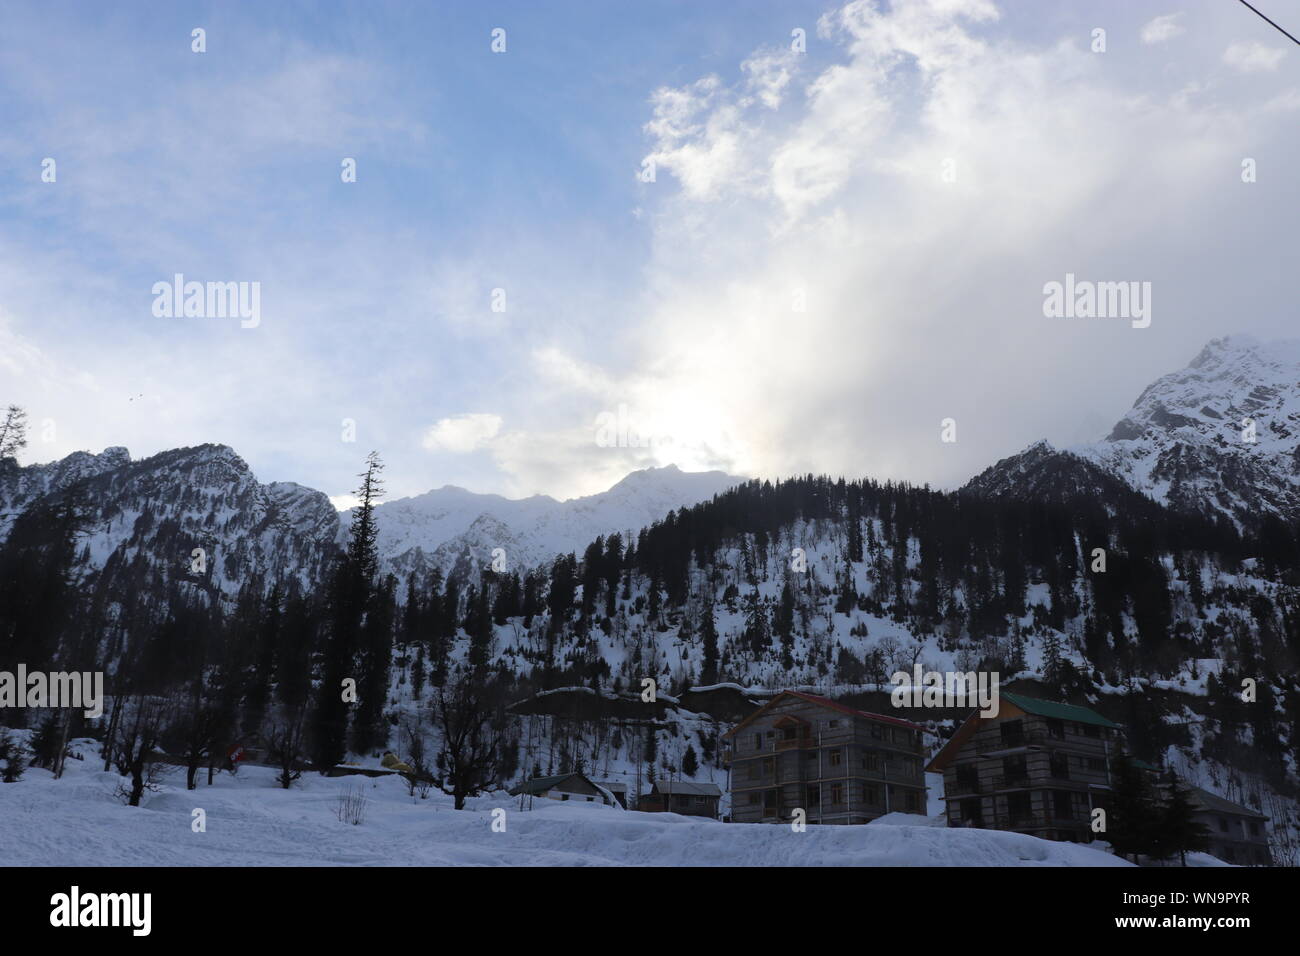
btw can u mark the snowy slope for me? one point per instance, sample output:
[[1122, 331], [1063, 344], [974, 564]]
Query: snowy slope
[[77, 821], [434, 529]]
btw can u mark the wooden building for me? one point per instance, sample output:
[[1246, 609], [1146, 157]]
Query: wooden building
[[682, 796], [618, 790], [565, 786], [1038, 767], [838, 764], [1237, 834]]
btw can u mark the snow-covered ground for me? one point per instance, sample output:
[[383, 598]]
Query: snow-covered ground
[[77, 821]]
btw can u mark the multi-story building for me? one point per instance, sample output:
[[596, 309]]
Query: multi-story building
[[838, 764], [1038, 767]]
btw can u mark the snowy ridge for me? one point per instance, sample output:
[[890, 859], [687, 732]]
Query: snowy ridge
[[207, 497], [436, 528], [1185, 443], [1182, 442], [159, 509]]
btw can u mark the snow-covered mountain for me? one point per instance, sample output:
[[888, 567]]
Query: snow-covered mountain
[[163, 507], [436, 528], [1219, 436], [159, 509]]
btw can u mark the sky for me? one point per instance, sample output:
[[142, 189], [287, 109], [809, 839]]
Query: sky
[[772, 238]]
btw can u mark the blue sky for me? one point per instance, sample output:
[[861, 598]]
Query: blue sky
[[664, 302]]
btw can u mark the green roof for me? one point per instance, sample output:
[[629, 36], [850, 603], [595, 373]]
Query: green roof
[[1058, 711]]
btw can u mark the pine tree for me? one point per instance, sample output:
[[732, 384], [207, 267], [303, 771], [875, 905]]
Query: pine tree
[[1178, 831], [350, 596], [690, 762], [1134, 819], [709, 634]]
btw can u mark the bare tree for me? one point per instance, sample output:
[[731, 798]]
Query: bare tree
[[198, 734], [286, 745], [417, 748], [138, 736], [472, 737]]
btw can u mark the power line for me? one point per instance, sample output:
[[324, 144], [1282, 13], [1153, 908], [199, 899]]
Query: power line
[[1269, 22]]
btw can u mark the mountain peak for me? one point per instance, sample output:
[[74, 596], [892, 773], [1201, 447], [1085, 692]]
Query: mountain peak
[[1219, 435]]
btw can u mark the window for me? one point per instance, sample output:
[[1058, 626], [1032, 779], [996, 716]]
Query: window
[[1018, 810], [832, 724], [834, 757], [754, 797], [910, 801], [837, 793], [814, 795], [755, 769], [1254, 828], [1097, 764], [1061, 805], [971, 814], [1060, 766], [1223, 824], [1014, 769], [968, 778], [1056, 728], [1012, 731], [788, 733], [1090, 730], [769, 765], [877, 732], [564, 796], [872, 795], [758, 741], [871, 761]]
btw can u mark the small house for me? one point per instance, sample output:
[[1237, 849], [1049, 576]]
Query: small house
[[565, 786], [1237, 834], [682, 796]]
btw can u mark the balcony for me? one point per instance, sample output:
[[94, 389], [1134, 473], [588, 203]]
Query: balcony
[[1016, 780], [1010, 743], [961, 788]]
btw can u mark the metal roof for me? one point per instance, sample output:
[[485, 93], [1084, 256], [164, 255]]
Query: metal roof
[[1058, 711], [688, 788], [1218, 804]]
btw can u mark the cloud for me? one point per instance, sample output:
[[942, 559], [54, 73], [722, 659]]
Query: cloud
[[463, 434], [1161, 29], [823, 295], [1250, 57]]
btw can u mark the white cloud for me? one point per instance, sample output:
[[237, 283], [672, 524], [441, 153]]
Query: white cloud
[[1250, 57], [1161, 29], [462, 434], [923, 296]]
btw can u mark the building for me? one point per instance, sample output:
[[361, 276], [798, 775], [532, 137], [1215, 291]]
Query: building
[[617, 789], [1038, 767], [839, 765], [1237, 834], [681, 796], [565, 786]]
